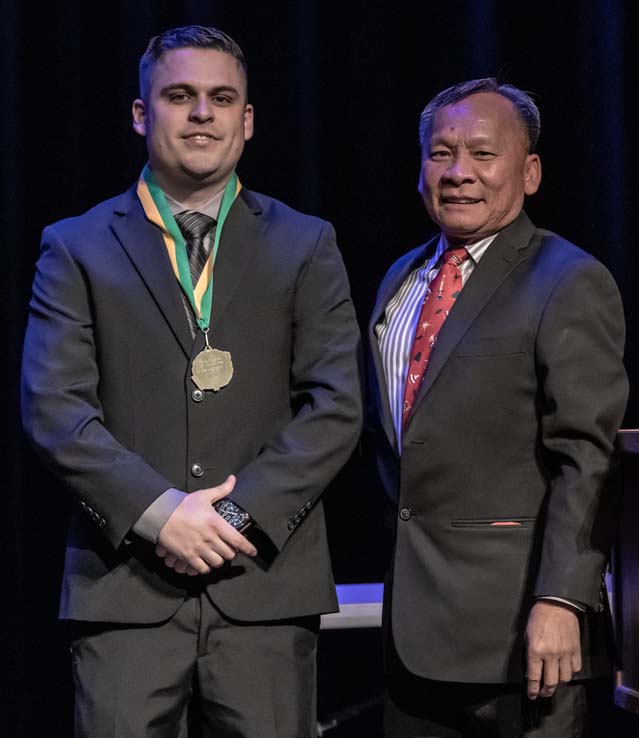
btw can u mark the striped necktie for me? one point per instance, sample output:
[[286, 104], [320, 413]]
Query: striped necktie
[[195, 227]]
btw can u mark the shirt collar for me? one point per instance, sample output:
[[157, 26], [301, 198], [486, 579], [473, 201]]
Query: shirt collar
[[476, 250], [210, 208]]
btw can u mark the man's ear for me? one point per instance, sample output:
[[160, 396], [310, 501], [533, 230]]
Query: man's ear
[[138, 112], [248, 121], [532, 174], [420, 181]]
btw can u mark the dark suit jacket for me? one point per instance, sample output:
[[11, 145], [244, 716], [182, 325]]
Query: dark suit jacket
[[107, 400], [515, 421]]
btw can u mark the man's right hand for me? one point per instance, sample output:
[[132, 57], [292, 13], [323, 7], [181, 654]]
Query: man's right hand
[[196, 539]]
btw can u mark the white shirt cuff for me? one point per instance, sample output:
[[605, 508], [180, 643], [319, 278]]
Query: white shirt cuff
[[571, 603], [152, 520]]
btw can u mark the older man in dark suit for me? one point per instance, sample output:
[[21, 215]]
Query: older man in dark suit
[[499, 387], [190, 373]]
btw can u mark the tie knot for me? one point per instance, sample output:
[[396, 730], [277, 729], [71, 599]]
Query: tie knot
[[455, 256], [194, 225]]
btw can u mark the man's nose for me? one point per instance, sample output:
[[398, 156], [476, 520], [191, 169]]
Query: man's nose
[[460, 169], [202, 110]]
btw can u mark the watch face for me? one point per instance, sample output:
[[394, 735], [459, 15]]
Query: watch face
[[233, 514]]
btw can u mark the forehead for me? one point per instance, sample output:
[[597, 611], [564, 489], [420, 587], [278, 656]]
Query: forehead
[[485, 114], [205, 68]]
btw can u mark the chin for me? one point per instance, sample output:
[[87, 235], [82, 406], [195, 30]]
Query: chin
[[459, 230], [461, 235], [201, 173]]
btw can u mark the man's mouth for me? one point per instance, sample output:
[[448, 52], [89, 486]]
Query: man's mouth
[[201, 138], [455, 200]]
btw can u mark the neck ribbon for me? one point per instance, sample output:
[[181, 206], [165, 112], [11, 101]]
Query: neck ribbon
[[157, 210]]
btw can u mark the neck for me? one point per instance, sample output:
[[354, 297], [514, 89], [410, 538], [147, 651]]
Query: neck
[[190, 194], [458, 242]]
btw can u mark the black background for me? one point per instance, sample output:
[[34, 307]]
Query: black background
[[337, 89]]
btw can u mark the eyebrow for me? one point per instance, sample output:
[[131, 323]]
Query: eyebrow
[[443, 140], [186, 87]]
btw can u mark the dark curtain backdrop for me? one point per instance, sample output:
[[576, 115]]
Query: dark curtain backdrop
[[337, 88]]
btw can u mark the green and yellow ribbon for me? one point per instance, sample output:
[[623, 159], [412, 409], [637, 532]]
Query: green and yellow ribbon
[[157, 210]]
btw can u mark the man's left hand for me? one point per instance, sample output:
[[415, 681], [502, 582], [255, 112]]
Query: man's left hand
[[553, 652]]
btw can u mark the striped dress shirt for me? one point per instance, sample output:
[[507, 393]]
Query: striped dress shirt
[[395, 332]]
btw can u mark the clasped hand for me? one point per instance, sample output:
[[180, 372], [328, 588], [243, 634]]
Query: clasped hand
[[195, 539]]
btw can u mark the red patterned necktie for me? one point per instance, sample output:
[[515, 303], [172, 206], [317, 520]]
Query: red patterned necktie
[[438, 302]]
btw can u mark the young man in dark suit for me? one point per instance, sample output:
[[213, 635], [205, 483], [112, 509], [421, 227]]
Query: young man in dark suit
[[190, 374], [499, 388]]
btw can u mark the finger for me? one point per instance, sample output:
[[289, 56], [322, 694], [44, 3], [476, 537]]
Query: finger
[[551, 677], [533, 678], [227, 485], [197, 566], [180, 566], [170, 560], [213, 559], [237, 540], [232, 538], [533, 687], [575, 660], [161, 551], [245, 546], [221, 548], [565, 669], [222, 490]]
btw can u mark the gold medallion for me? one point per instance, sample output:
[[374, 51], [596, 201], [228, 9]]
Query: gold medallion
[[212, 369]]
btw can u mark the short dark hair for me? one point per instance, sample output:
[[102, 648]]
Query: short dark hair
[[198, 37], [525, 108]]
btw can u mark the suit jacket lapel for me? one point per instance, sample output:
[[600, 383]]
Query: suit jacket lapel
[[503, 255], [237, 245], [144, 245], [379, 388]]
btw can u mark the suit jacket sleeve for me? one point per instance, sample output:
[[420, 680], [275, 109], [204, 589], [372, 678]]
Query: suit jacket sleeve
[[584, 391], [286, 479], [61, 409]]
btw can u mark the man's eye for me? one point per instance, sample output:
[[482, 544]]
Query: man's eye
[[439, 154], [221, 100], [482, 154], [178, 97]]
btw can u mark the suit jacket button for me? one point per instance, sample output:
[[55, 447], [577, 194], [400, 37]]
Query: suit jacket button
[[197, 470], [197, 395], [406, 513], [291, 525]]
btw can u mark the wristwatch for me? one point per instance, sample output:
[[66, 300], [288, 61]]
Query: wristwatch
[[234, 515]]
